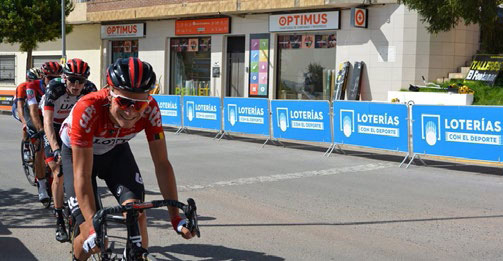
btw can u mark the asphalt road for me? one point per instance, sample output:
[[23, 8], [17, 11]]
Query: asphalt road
[[276, 203]]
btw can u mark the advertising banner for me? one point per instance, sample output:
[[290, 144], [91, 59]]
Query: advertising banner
[[301, 120], [259, 65], [471, 132], [6, 99], [369, 124], [305, 21], [171, 109], [202, 112], [246, 115], [485, 68]]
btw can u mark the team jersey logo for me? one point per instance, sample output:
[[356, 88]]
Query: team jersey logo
[[86, 118]]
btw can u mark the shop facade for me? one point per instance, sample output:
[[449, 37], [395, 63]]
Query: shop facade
[[287, 54]]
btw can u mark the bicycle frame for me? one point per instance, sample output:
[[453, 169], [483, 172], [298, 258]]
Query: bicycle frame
[[134, 250]]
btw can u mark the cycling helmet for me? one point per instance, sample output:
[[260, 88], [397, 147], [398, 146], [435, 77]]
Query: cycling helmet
[[131, 74], [52, 68], [34, 73], [76, 67]]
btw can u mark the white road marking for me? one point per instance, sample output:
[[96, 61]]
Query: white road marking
[[289, 176]]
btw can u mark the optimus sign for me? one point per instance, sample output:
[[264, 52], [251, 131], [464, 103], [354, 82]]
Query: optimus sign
[[122, 31], [305, 21]]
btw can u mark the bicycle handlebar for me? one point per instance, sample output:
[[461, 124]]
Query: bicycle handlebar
[[189, 210]]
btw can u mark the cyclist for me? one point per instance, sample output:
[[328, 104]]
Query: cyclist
[[20, 96], [60, 96], [95, 137], [33, 117]]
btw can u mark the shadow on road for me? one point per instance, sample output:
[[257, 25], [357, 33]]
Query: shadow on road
[[13, 249], [210, 252], [355, 223], [19, 208]]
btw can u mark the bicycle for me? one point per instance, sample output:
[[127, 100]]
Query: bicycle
[[29, 148], [133, 252]]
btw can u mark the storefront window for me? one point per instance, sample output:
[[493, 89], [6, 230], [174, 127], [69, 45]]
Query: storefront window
[[306, 66], [124, 49], [190, 66]]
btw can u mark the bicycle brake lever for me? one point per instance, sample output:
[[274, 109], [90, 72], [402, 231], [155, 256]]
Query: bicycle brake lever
[[192, 217]]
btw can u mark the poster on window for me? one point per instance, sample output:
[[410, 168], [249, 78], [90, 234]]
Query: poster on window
[[127, 46], [193, 45], [259, 65], [204, 44], [308, 41], [321, 41]]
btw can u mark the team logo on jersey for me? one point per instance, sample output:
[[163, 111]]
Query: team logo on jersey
[[138, 178], [86, 118]]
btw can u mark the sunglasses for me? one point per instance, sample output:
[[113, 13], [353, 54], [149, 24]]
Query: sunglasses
[[125, 102], [76, 79]]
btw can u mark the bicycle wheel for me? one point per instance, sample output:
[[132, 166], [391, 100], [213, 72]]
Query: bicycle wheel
[[28, 160]]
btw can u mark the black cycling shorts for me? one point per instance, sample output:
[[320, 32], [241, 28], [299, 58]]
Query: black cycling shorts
[[117, 167]]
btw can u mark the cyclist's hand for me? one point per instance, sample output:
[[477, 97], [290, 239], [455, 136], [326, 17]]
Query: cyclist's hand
[[57, 156], [90, 242], [179, 225]]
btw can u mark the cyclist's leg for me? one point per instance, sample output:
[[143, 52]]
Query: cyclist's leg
[[67, 167], [57, 191], [39, 164], [126, 184]]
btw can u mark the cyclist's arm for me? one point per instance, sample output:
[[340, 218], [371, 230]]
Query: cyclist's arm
[[20, 110], [49, 129], [82, 171], [35, 118], [164, 172]]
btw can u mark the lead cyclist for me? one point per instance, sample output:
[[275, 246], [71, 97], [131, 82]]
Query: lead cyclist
[[95, 144]]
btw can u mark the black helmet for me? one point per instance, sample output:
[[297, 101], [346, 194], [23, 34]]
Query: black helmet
[[34, 73], [76, 67], [131, 74]]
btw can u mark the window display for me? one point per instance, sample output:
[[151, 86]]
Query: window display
[[306, 66], [124, 49], [190, 66]]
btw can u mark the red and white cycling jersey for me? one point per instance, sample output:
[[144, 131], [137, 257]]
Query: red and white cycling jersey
[[89, 124]]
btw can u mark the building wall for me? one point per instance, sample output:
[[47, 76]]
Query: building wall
[[398, 50], [83, 42]]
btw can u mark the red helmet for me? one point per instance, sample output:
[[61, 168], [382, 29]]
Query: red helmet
[[76, 67], [51, 68], [131, 74]]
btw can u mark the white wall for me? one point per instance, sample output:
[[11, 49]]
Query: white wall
[[83, 42], [398, 50]]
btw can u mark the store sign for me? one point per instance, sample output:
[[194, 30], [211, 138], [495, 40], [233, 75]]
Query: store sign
[[485, 68], [170, 107], [203, 26], [122, 31], [471, 132], [305, 21], [301, 120], [370, 124], [259, 65], [202, 112], [246, 115], [359, 17]]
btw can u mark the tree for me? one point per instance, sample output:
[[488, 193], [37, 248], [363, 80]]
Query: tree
[[444, 15], [29, 22]]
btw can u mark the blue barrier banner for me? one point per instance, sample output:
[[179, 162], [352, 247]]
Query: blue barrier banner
[[301, 120], [202, 112], [370, 124], [171, 111], [470, 132], [246, 115]]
